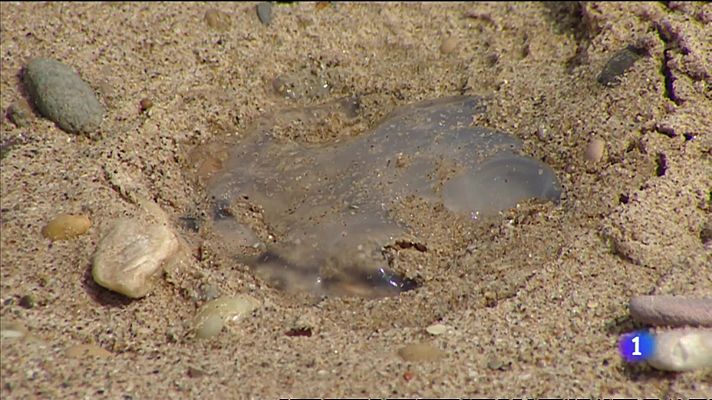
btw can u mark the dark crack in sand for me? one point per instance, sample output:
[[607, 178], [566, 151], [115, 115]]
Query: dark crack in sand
[[327, 206]]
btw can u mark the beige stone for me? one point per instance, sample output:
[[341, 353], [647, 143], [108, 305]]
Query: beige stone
[[130, 254], [66, 226]]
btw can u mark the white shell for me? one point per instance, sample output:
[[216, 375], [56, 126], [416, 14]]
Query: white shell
[[682, 350]]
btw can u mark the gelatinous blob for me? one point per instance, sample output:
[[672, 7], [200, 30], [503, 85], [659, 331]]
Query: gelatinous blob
[[327, 205]]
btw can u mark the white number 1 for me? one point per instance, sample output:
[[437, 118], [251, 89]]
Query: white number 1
[[636, 350]]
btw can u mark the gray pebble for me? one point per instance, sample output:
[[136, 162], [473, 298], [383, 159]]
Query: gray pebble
[[62, 96], [619, 64], [264, 12]]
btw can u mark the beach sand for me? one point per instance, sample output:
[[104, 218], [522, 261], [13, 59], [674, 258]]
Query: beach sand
[[534, 300]]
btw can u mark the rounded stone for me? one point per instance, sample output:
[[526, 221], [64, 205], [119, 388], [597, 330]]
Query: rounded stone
[[61, 96], [682, 350], [437, 329], [66, 226], [594, 150], [661, 310], [130, 255], [264, 12]]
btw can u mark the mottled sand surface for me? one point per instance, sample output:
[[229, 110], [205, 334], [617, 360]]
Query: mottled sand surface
[[535, 299]]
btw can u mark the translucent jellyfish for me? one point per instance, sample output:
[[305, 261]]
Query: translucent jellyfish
[[328, 206]]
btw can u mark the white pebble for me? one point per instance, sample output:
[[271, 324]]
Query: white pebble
[[130, 254], [213, 315], [437, 329], [682, 350]]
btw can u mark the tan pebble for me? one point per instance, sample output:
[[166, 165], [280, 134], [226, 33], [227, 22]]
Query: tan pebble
[[130, 254], [213, 315], [448, 45], [86, 351], [145, 104], [420, 352], [217, 20], [66, 226], [682, 350], [437, 329], [594, 150]]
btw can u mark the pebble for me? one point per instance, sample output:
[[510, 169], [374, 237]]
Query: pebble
[[145, 104], [595, 149], [618, 64], [20, 113], [28, 301], [61, 96], [671, 310], [437, 329], [66, 226], [218, 20], [682, 350], [213, 315], [264, 12], [420, 352], [448, 45], [130, 254], [86, 351]]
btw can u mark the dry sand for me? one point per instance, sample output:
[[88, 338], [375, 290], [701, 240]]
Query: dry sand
[[535, 299]]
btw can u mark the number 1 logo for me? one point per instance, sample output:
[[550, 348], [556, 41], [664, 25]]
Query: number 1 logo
[[636, 346]]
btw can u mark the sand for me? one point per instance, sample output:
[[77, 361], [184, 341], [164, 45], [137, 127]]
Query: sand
[[535, 299]]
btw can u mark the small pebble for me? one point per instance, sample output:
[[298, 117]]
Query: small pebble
[[437, 329], [497, 363], [671, 310], [682, 350], [66, 226], [618, 64], [218, 20], [28, 301], [145, 104], [213, 315], [86, 351], [61, 96], [420, 352], [595, 149], [20, 113], [130, 254], [195, 372], [264, 12], [448, 45]]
